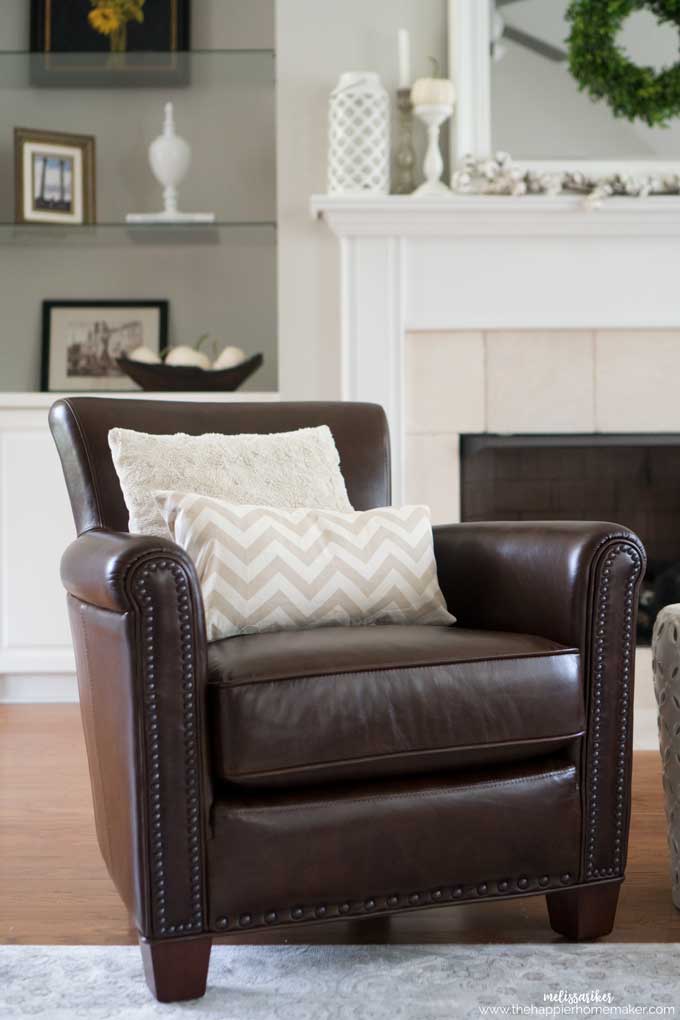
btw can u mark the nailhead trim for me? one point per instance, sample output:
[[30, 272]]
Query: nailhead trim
[[376, 904], [141, 587], [594, 873]]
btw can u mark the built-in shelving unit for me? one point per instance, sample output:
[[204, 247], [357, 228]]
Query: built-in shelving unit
[[220, 278]]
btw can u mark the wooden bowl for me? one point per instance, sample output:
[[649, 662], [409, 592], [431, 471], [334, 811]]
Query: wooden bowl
[[178, 379]]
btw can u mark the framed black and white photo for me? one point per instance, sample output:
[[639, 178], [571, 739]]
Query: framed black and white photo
[[55, 177], [110, 42], [82, 341]]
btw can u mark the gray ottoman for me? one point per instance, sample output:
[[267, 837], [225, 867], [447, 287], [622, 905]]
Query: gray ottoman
[[666, 660]]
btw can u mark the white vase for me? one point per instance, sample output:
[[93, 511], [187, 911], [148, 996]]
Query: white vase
[[170, 159], [359, 136]]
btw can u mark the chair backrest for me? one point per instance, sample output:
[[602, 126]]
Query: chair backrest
[[80, 426]]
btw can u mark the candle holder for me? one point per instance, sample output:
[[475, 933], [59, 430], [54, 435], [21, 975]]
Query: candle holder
[[434, 117], [406, 154]]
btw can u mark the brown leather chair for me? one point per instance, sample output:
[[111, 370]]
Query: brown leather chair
[[299, 778]]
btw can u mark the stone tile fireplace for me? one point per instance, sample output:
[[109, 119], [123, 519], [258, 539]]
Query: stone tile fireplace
[[604, 384]]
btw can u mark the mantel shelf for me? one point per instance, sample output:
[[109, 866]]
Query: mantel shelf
[[497, 216]]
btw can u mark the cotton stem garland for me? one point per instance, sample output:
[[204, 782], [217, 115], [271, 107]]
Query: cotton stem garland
[[500, 176]]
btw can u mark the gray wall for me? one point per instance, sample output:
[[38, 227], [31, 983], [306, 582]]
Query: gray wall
[[226, 284], [316, 41]]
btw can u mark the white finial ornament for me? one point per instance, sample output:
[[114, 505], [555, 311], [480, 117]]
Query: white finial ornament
[[170, 159]]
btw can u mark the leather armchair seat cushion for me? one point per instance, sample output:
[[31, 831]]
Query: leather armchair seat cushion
[[302, 707]]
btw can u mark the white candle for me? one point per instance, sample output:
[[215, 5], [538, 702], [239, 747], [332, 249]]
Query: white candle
[[405, 81]]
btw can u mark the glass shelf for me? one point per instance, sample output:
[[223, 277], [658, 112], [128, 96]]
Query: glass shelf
[[22, 68], [141, 233]]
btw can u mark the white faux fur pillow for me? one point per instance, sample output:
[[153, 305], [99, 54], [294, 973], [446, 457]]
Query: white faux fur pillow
[[263, 569], [290, 469]]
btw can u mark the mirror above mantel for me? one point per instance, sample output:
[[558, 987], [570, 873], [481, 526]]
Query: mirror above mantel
[[516, 92]]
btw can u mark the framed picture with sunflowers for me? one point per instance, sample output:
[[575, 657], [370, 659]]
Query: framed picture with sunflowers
[[110, 42]]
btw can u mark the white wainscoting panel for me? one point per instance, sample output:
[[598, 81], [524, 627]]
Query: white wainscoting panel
[[35, 527]]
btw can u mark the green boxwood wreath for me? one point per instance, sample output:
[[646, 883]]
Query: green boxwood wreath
[[602, 69]]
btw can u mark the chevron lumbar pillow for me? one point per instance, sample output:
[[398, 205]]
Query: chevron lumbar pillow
[[264, 569]]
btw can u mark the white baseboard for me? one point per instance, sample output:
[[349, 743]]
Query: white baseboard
[[48, 689], [646, 730]]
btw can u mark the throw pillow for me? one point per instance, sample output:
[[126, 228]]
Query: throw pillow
[[264, 569], [291, 469]]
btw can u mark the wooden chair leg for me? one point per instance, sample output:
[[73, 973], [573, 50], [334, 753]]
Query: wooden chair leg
[[176, 971], [586, 913]]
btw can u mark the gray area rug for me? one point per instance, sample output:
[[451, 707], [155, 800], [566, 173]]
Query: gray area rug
[[348, 982]]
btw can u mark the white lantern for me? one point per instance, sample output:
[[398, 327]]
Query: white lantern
[[359, 136]]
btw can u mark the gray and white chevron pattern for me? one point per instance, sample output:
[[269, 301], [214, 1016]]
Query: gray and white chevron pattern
[[264, 569]]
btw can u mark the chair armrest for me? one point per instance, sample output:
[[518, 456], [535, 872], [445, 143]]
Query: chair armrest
[[577, 584], [531, 578], [138, 626], [97, 567]]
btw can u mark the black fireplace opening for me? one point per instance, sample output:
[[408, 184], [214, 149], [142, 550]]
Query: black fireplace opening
[[632, 480]]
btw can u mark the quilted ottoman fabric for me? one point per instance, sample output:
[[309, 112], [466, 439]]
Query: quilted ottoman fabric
[[666, 659]]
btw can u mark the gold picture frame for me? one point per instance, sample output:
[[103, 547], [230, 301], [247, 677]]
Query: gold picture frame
[[55, 177]]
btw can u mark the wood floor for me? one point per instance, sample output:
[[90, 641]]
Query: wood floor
[[54, 888]]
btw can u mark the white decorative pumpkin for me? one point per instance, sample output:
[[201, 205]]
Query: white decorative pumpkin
[[433, 92], [145, 356], [230, 357], [187, 357]]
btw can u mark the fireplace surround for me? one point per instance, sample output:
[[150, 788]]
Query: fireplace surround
[[548, 318]]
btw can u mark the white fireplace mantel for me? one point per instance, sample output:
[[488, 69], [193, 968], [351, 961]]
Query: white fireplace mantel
[[488, 216], [482, 263]]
